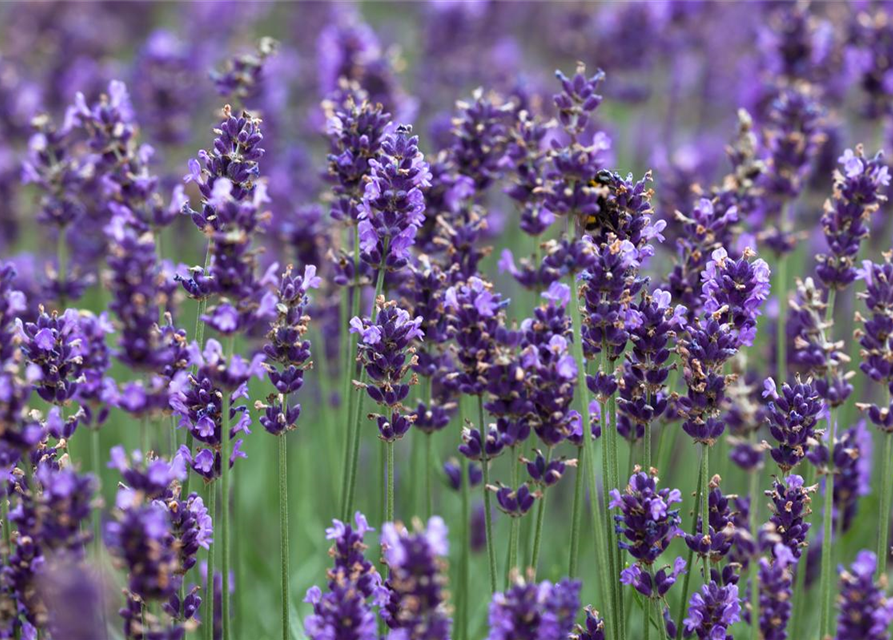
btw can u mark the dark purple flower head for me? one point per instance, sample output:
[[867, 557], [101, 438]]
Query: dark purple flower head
[[646, 524], [514, 503], [242, 74], [474, 316], [480, 137], [578, 99], [789, 507], [875, 334], [453, 472], [393, 201], [355, 131], [712, 611], [416, 600], [62, 508], [652, 586], [546, 473], [775, 577], [593, 627], [287, 351], [525, 157], [477, 447], [734, 290], [852, 465], [716, 542], [865, 613], [543, 611], [353, 584], [150, 478], [386, 349], [872, 43], [53, 344], [859, 191], [234, 157], [793, 415]]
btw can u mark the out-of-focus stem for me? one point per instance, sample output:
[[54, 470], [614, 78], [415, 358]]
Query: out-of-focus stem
[[283, 534], [488, 524]]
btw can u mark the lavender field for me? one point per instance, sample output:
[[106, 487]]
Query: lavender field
[[446, 320]]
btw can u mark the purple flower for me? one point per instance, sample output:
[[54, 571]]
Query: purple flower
[[646, 524], [792, 420], [734, 290], [859, 191], [416, 597], [789, 507], [874, 338], [393, 202], [775, 578], [353, 584], [543, 611], [242, 74], [865, 613], [514, 503], [593, 627], [386, 351], [712, 611]]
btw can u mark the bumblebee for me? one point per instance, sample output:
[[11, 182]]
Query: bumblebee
[[595, 220]]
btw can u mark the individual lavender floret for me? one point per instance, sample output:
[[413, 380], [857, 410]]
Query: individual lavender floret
[[545, 473], [874, 337], [52, 343], [477, 447], [865, 613], [776, 579], [453, 473], [646, 522], [712, 611], [789, 507], [287, 351], [543, 611], [734, 290], [592, 629], [393, 202], [242, 74], [859, 191], [353, 583], [416, 599], [793, 416]]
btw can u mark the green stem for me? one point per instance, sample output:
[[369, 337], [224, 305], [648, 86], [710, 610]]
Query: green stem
[[577, 515], [752, 568], [283, 534], [515, 524], [601, 552], [347, 507], [429, 475], [705, 503], [615, 483], [488, 525], [224, 498], [800, 599], [348, 399], [883, 547], [464, 568], [540, 515], [687, 578], [390, 489], [208, 621], [827, 542]]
